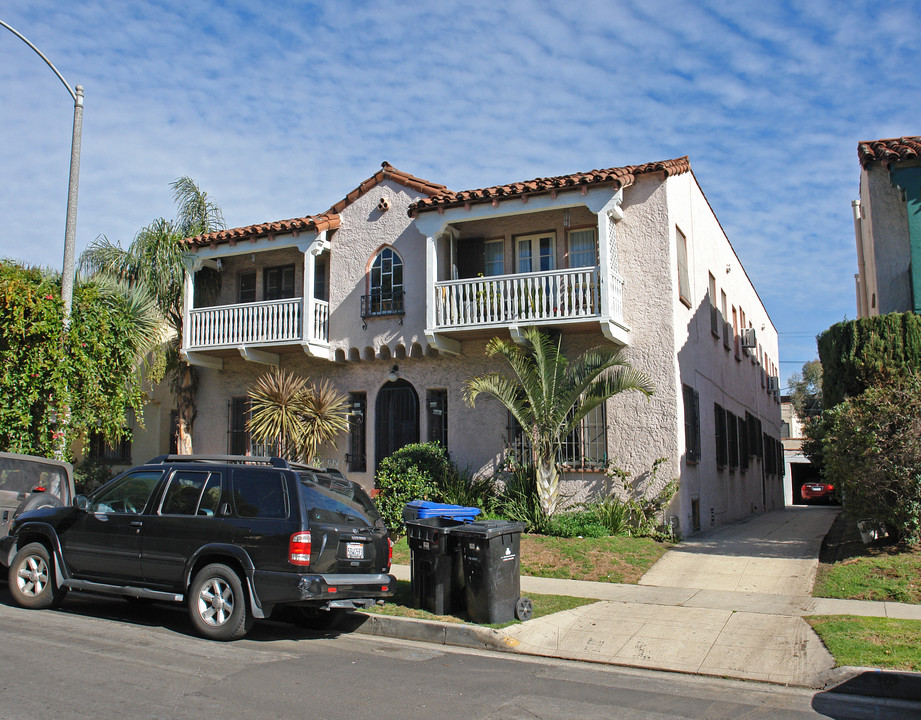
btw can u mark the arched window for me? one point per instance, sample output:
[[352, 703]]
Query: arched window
[[385, 285]]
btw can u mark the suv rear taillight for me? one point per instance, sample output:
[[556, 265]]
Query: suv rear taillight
[[389, 553], [299, 549]]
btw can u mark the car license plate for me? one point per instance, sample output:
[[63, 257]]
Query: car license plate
[[815, 488], [354, 551]]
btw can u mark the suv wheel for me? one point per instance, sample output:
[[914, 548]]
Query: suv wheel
[[217, 604], [31, 579]]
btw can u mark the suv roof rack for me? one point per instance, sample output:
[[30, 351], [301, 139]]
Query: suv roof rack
[[228, 459]]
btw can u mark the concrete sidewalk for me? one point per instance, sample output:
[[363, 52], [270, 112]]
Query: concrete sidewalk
[[728, 603]]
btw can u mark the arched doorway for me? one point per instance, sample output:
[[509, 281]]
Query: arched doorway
[[397, 418]]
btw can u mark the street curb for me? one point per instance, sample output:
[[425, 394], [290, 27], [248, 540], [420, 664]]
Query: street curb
[[433, 631], [856, 681]]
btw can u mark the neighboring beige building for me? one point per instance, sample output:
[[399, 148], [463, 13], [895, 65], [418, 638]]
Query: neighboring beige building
[[887, 223], [393, 292], [798, 468]]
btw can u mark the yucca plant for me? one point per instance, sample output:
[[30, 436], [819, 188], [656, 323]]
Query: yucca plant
[[294, 415], [325, 416]]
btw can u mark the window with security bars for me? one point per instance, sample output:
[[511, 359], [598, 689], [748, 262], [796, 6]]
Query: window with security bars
[[755, 447], [722, 447], [118, 453], [732, 434], [691, 424], [436, 402], [239, 439], [356, 458], [743, 444], [586, 448]]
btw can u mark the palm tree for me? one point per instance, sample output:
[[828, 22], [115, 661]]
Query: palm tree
[[157, 260], [294, 415], [551, 395]]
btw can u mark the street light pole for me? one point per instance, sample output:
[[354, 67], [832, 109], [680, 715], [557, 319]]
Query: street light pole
[[70, 228]]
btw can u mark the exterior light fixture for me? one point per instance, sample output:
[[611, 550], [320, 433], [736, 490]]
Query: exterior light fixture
[[392, 375]]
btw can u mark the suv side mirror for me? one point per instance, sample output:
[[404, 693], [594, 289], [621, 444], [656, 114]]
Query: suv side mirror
[[81, 502]]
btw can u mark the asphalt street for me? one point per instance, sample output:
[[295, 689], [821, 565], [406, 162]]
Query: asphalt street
[[105, 658]]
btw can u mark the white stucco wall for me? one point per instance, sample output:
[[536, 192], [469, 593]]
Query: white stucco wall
[[702, 362], [365, 230]]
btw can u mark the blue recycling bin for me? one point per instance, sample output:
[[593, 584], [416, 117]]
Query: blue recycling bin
[[420, 509]]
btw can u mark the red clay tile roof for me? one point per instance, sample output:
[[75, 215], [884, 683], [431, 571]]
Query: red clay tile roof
[[388, 172], [310, 223], [328, 220], [889, 151], [618, 176]]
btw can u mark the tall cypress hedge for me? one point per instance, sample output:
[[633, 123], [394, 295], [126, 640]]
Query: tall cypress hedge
[[870, 351]]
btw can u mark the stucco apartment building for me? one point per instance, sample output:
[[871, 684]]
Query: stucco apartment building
[[393, 293], [887, 224]]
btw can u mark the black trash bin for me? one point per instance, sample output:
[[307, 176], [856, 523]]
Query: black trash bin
[[491, 557], [436, 577]]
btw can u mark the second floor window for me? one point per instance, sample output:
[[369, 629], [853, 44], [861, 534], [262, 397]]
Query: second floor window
[[246, 287], [582, 248], [684, 281], [494, 257], [385, 286], [535, 253], [278, 282]]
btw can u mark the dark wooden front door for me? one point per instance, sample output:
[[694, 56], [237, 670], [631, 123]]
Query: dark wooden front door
[[397, 418]]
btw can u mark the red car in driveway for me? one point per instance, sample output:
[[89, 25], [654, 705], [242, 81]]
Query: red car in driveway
[[818, 492]]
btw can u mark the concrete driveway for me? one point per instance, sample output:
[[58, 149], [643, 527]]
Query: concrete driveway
[[726, 603], [775, 553]]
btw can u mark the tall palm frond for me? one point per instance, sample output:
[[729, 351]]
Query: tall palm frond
[[143, 320], [198, 214], [157, 259]]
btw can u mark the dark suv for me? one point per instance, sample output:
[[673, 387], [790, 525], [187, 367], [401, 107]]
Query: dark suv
[[233, 537]]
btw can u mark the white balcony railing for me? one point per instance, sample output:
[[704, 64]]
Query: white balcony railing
[[506, 299], [320, 321], [269, 322]]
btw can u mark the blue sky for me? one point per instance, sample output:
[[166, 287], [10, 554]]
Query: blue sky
[[277, 109]]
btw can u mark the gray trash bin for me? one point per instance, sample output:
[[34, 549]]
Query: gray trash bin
[[490, 551]]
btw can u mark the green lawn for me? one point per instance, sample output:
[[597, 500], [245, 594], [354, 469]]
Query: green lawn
[[611, 559], [883, 576], [401, 605], [871, 642], [851, 570]]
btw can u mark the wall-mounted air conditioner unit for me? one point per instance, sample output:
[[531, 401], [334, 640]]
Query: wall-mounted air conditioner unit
[[773, 383], [748, 338]]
